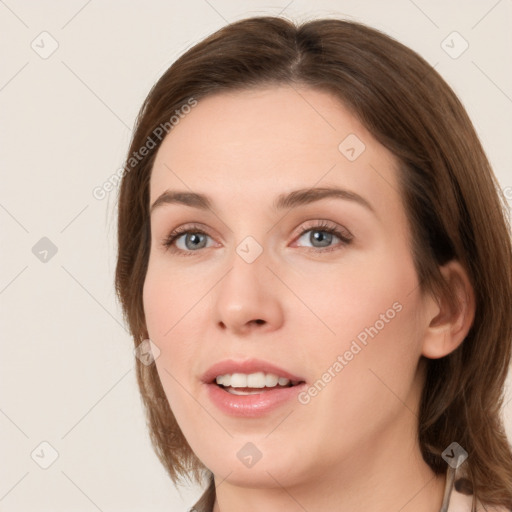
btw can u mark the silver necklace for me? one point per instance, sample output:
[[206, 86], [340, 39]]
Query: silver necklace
[[451, 475]]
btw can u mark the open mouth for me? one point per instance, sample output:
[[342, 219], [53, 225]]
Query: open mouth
[[251, 391], [255, 390], [243, 391]]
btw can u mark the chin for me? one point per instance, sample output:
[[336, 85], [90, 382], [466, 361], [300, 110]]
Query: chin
[[271, 470]]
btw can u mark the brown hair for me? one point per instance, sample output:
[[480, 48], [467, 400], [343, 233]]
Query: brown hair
[[454, 205]]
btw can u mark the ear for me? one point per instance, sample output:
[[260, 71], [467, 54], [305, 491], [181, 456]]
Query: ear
[[449, 325]]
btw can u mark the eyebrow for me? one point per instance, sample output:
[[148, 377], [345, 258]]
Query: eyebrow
[[284, 201]]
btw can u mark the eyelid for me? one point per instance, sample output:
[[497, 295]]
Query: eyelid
[[339, 231], [324, 224], [169, 240]]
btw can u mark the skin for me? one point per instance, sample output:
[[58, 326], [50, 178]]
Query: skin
[[354, 445]]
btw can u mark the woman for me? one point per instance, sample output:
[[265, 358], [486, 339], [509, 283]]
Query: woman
[[304, 244]]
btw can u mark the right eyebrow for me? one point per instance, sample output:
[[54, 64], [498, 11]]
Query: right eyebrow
[[186, 198]]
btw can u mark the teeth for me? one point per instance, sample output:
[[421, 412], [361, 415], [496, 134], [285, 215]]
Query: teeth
[[252, 380], [234, 391], [271, 380]]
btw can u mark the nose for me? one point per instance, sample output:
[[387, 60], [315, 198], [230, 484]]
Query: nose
[[249, 298]]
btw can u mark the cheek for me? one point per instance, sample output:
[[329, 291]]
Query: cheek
[[365, 299], [155, 298], [375, 339], [373, 380], [174, 308], [167, 296], [165, 308]]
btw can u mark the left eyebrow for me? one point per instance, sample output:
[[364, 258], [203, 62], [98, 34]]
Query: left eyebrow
[[309, 195], [282, 202]]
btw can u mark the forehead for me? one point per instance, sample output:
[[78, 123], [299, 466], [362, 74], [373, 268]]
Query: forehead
[[247, 144]]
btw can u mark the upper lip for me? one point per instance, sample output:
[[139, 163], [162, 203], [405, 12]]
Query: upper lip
[[230, 366]]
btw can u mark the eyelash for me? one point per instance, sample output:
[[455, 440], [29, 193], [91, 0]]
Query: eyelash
[[323, 227]]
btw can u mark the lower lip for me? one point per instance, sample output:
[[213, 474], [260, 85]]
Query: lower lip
[[252, 406]]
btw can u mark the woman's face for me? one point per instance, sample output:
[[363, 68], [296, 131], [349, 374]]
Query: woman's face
[[260, 280]]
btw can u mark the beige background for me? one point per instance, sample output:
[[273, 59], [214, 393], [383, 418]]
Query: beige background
[[67, 368]]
